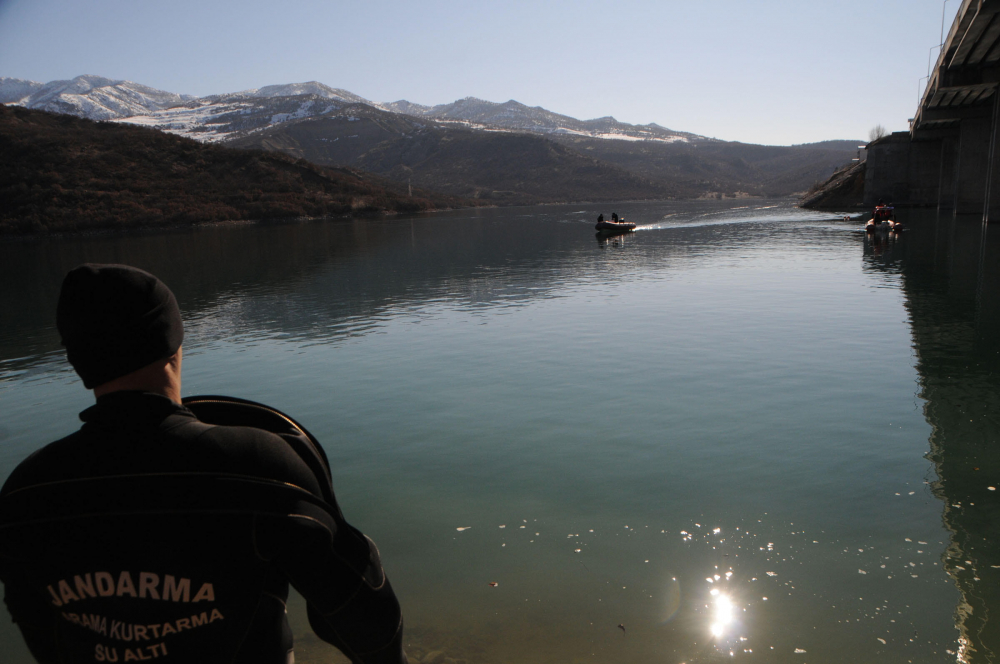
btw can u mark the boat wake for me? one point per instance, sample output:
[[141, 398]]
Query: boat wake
[[741, 215]]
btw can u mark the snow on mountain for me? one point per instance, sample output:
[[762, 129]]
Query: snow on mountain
[[219, 117], [215, 119], [406, 107], [515, 116], [98, 98], [13, 90], [310, 88], [511, 113]]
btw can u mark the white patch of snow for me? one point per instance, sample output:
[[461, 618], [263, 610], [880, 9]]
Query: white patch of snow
[[99, 98], [16, 90]]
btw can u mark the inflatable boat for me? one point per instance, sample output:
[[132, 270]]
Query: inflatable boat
[[612, 227]]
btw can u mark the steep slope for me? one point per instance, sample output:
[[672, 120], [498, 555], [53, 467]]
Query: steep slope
[[336, 127], [410, 150], [508, 168], [65, 173], [499, 166], [96, 98], [314, 88], [844, 190], [13, 90], [218, 118], [519, 117], [225, 117], [720, 166], [338, 137]]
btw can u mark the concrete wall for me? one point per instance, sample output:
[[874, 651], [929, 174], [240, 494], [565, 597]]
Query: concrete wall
[[888, 160], [993, 165], [950, 169], [974, 148], [903, 172], [949, 173], [924, 173]]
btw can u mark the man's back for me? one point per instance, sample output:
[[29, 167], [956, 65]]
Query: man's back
[[158, 536]]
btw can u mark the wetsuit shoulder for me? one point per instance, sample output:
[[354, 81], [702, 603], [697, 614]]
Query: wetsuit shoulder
[[256, 453], [107, 446], [37, 467]]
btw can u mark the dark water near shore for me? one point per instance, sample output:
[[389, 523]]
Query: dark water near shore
[[740, 401]]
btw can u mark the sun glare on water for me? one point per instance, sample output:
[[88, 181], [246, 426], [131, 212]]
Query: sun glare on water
[[723, 614]]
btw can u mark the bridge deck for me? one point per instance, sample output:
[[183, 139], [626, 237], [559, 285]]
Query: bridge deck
[[967, 70]]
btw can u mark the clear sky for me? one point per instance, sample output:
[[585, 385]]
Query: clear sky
[[761, 71]]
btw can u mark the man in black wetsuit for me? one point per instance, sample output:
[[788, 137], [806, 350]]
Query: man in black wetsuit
[[152, 534]]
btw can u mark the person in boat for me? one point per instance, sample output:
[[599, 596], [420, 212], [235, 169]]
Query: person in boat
[[151, 534], [883, 213], [600, 218], [614, 217]]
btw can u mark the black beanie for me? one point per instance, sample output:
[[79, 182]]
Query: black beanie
[[115, 319]]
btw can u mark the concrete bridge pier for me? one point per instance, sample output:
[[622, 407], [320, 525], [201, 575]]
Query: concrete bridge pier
[[949, 157], [973, 165], [951, 168], [948, 173], [911, 173], [991, 210]]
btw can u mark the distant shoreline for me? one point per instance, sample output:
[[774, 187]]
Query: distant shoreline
[[64, 174]]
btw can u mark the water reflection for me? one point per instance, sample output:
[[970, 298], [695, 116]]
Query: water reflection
[[883, 248], [951, 278], [241, 281], [672, 600], [724, 614], [487, 369], [605, 240]]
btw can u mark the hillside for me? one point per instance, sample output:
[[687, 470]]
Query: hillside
[[516, 116], [64, 173], [844, 190], [500, 167], [525, 167], [719, 166], [93, 97], [501, 152]]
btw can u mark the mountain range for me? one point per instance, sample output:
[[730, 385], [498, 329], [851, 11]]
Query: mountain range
[[100, 98], [64, 173], [504, 152], [92, 97]]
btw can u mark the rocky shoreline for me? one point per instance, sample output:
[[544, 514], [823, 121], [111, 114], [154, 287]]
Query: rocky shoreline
[[843, 191]]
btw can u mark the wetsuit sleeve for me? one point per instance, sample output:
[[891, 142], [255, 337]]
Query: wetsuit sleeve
[[338, 570], [333, 565]]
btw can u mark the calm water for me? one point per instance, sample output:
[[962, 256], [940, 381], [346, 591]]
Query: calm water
[[744, 433]]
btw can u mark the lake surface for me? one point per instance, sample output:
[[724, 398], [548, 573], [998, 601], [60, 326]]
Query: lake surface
[[745, 432]]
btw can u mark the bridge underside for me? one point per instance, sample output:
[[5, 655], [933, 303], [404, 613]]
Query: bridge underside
[[948, 158]]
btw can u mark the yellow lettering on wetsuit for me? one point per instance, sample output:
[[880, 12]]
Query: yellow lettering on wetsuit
[[105, 654], [125, 585], [66, 593], [91, 621], [205, 594], [176, 591], [147, 584], [166, 588], [130, 632], [105, 584], [84, 586]]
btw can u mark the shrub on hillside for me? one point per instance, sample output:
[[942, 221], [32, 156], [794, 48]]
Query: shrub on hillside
[[62, 173]]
